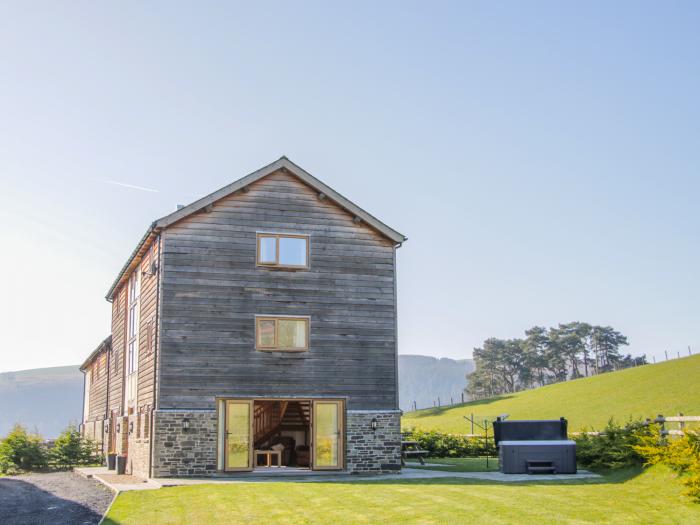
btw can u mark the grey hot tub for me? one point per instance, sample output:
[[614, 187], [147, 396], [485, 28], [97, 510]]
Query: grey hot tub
[[531, 457], [534, 447]]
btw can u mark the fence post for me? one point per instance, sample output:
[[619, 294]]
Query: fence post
[[414, 406], [439, 401], [666, 352], [463, 392], [681, 423]]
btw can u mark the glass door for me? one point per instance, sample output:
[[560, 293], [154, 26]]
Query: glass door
[[327, 435], [238, 444]]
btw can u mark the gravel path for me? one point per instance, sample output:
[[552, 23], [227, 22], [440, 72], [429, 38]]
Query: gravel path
[[58, 498]]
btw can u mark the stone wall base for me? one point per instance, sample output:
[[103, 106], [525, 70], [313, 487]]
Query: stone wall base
[[368, 450], [193, 452], [182, 453]]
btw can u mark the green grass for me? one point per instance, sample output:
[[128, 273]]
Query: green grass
[[665, 388], [458, 464], [650, 497]]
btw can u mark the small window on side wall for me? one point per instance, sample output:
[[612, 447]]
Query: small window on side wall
[[282, 250], [285, 334]]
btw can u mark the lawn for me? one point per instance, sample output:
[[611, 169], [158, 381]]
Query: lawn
[[626, 497], [665, 388]]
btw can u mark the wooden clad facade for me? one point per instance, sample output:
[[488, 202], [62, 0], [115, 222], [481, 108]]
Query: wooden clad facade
[[212, 291], [184, 307], [148, 325], [116, 384], [96, 386]]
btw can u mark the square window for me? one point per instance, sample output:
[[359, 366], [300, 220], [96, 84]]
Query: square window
[[282, 333], [283, 251]]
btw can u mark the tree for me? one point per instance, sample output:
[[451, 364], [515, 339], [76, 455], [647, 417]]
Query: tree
[[607, 343], [20, 450], [544, 356], [535, 348], [72, 449]]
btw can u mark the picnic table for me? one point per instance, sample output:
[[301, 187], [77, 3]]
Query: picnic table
[[411, 449]]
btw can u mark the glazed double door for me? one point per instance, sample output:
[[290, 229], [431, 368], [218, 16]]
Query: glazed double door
[[326, 424]]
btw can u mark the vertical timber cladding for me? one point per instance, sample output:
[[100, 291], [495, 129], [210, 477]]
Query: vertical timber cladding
[[212, 291], [147, 327], [116, 377]]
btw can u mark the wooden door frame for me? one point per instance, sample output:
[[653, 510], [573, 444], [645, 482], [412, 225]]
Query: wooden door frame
[[340, 403], [251, 437]]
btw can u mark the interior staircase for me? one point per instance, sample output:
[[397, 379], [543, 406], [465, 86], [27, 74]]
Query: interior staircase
[[270, 417]]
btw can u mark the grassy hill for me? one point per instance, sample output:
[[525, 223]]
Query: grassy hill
[[665, 388]]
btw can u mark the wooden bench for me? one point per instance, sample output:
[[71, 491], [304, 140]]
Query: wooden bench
[[411, 449]]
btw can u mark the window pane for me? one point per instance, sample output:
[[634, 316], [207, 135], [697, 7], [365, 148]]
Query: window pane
[[268, 249], [293, 251], [266, 333], [292, 333], [237, 435], [327, 427]]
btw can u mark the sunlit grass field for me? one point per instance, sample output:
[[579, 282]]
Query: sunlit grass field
[[666, 388], [625, 497]]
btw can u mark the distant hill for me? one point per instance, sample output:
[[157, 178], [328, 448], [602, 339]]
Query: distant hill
[[423, 379], [42, 399], [666, 388]]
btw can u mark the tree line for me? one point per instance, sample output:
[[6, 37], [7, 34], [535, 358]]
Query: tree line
[[546, 355]]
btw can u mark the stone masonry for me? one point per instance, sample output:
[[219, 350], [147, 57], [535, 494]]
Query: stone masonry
[[373, 451], [182, 453]]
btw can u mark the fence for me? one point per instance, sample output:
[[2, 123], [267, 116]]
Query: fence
[[661, 420]]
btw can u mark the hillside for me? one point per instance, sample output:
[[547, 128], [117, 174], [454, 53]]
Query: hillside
[[423, 379], [43, 399], [664, 388]]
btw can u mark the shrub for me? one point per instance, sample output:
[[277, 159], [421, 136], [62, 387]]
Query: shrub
[[441, 445], [681, 454], [615, 447], [70, 449], [20, 450]]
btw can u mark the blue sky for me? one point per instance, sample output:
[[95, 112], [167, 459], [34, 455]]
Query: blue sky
[[542, 157]]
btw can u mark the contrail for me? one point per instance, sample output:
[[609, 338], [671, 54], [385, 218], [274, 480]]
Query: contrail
[[132, 186]]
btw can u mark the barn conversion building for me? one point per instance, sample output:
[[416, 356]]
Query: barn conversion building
[[253, 329]]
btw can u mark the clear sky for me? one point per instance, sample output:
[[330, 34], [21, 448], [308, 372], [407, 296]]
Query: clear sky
[[542, 157]]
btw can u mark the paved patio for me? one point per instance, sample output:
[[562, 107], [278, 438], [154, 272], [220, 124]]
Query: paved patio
[[125, 483]]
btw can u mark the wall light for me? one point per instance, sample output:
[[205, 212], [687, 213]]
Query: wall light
[[374, 423], [185, 424]]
